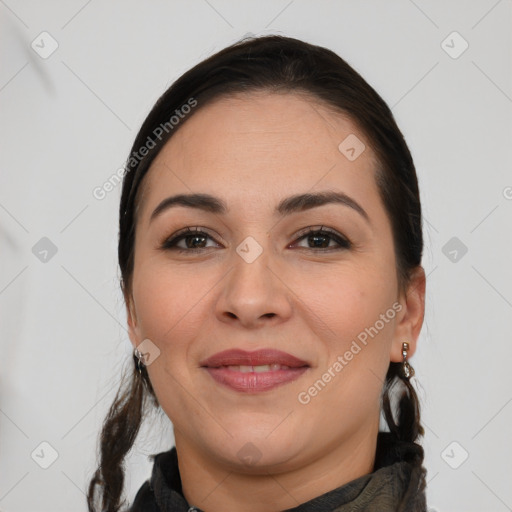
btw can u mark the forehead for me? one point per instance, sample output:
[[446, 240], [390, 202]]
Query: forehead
[[261, 142]]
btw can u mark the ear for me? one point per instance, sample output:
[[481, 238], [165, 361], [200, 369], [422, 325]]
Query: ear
[[133, 329], [410, 317]]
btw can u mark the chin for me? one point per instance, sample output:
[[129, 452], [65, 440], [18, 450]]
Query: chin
[[258, 451]]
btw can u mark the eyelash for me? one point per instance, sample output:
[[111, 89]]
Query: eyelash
[[344, 243]]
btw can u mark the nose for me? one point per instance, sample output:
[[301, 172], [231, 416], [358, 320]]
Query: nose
[[254, 292]]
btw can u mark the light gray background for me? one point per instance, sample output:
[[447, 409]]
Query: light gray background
[[67, 124]]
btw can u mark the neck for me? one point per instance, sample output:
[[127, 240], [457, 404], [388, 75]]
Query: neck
[[210, 486]]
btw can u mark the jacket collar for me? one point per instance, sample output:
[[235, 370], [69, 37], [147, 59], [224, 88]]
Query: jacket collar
[[396, 484]]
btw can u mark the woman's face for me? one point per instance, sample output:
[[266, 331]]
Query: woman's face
[[254, 279]]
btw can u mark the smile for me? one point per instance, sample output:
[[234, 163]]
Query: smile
[[256, 371]]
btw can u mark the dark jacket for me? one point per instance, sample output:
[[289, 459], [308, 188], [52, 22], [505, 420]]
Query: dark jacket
[[397, 484]]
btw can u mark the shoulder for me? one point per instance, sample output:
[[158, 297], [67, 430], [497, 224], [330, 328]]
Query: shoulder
[[164, 486], [144, 500]]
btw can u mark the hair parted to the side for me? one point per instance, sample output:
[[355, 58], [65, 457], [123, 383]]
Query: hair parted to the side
[[281, 65]]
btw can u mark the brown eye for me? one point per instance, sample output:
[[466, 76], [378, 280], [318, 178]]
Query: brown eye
[[193, 240], [322, 239]]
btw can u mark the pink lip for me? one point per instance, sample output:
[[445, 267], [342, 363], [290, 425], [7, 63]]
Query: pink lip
[[239, 357], [250, 382]]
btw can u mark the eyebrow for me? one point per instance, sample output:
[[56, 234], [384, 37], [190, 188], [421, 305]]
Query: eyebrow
[[289, 205]]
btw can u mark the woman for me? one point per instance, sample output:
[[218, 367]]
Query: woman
[[270, 248]]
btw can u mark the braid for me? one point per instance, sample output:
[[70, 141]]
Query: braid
[[120, 429], [408, 427], [406, 430]]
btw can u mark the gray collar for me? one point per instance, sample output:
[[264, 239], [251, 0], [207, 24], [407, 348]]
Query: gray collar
[[397, 484]]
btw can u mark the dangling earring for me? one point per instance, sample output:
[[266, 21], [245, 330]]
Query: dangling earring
[[406, 370], [139, 360]]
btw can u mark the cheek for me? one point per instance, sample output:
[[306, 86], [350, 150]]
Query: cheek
[[170, 315], [344, 310], [345, 314], [168, 304], [345, 302]]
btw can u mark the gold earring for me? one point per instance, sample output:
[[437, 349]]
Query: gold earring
[[406, 370]]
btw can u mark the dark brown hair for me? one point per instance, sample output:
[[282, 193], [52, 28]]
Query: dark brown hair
[[273, 64]]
